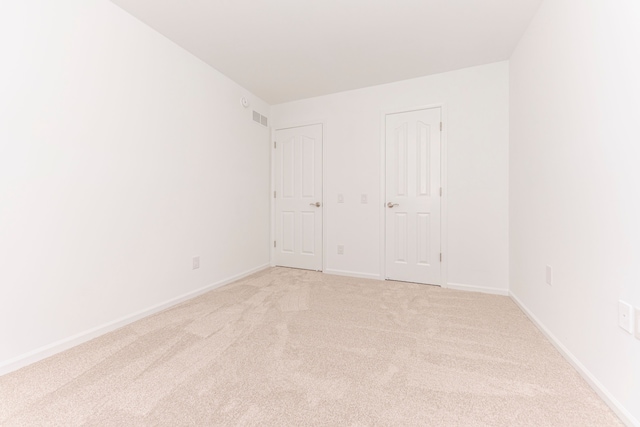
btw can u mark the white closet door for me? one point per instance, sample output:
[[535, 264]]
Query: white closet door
[[298, 168], [412, 219]]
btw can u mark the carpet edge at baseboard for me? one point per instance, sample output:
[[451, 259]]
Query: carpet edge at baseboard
[[593, 382], [56, 347]]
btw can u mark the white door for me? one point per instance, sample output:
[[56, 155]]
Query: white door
[[298, 174], [412, 207]]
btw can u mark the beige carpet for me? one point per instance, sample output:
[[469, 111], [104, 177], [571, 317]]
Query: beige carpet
[[290, 347]]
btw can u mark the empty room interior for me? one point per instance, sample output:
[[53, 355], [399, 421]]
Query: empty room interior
[[295, 212]]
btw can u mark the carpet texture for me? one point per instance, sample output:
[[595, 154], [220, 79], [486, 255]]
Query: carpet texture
[[290, 347]]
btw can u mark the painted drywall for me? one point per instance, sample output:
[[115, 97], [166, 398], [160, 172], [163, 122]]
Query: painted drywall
[[574, 179], [313, 48], [476, 131], [122, 156]]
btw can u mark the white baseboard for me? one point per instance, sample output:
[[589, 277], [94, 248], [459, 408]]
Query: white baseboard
[[474, 288], [77, 339], [596, 385], [352, 274]]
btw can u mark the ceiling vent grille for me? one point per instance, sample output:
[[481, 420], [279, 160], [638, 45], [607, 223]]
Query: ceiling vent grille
[[260, 119]]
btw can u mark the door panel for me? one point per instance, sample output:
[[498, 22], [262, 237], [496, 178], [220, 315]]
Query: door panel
[[288, 231], [413, 196], [288, 169], [298, 170], [401, 234], [308, 167], [308, 233], [422, 234]]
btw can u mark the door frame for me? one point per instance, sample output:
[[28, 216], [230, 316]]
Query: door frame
[[443, 182], [272, 187]]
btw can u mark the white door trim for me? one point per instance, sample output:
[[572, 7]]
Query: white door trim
[[443, 183], [272, 233]]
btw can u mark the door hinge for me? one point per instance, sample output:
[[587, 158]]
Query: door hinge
[[440, 256], [274, 194], [274, 144], [440, 191], [440, 126], [274, 243]]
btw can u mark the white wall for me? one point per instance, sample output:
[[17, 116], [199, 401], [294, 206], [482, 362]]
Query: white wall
[[476, 124], [574, 184], [121, 157]]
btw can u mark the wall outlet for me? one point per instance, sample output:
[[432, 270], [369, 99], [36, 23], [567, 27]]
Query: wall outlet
[[364, 199], [549, 277], [340, 198], [340, 250], [196, 262], [625, 316], [637, 317]]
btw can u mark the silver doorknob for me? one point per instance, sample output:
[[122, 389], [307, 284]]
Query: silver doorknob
[[392, 205], [316, 204]]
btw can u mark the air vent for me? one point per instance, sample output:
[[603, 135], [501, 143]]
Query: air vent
[[260, 119]]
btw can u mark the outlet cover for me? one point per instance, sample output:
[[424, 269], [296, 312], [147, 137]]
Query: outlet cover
[[549, 275], [340, 250], [625, 316], [364, 199], [196, 262], [340, 198], [637, 317]]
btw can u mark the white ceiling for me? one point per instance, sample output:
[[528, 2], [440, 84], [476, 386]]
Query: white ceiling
[[283, 50]]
